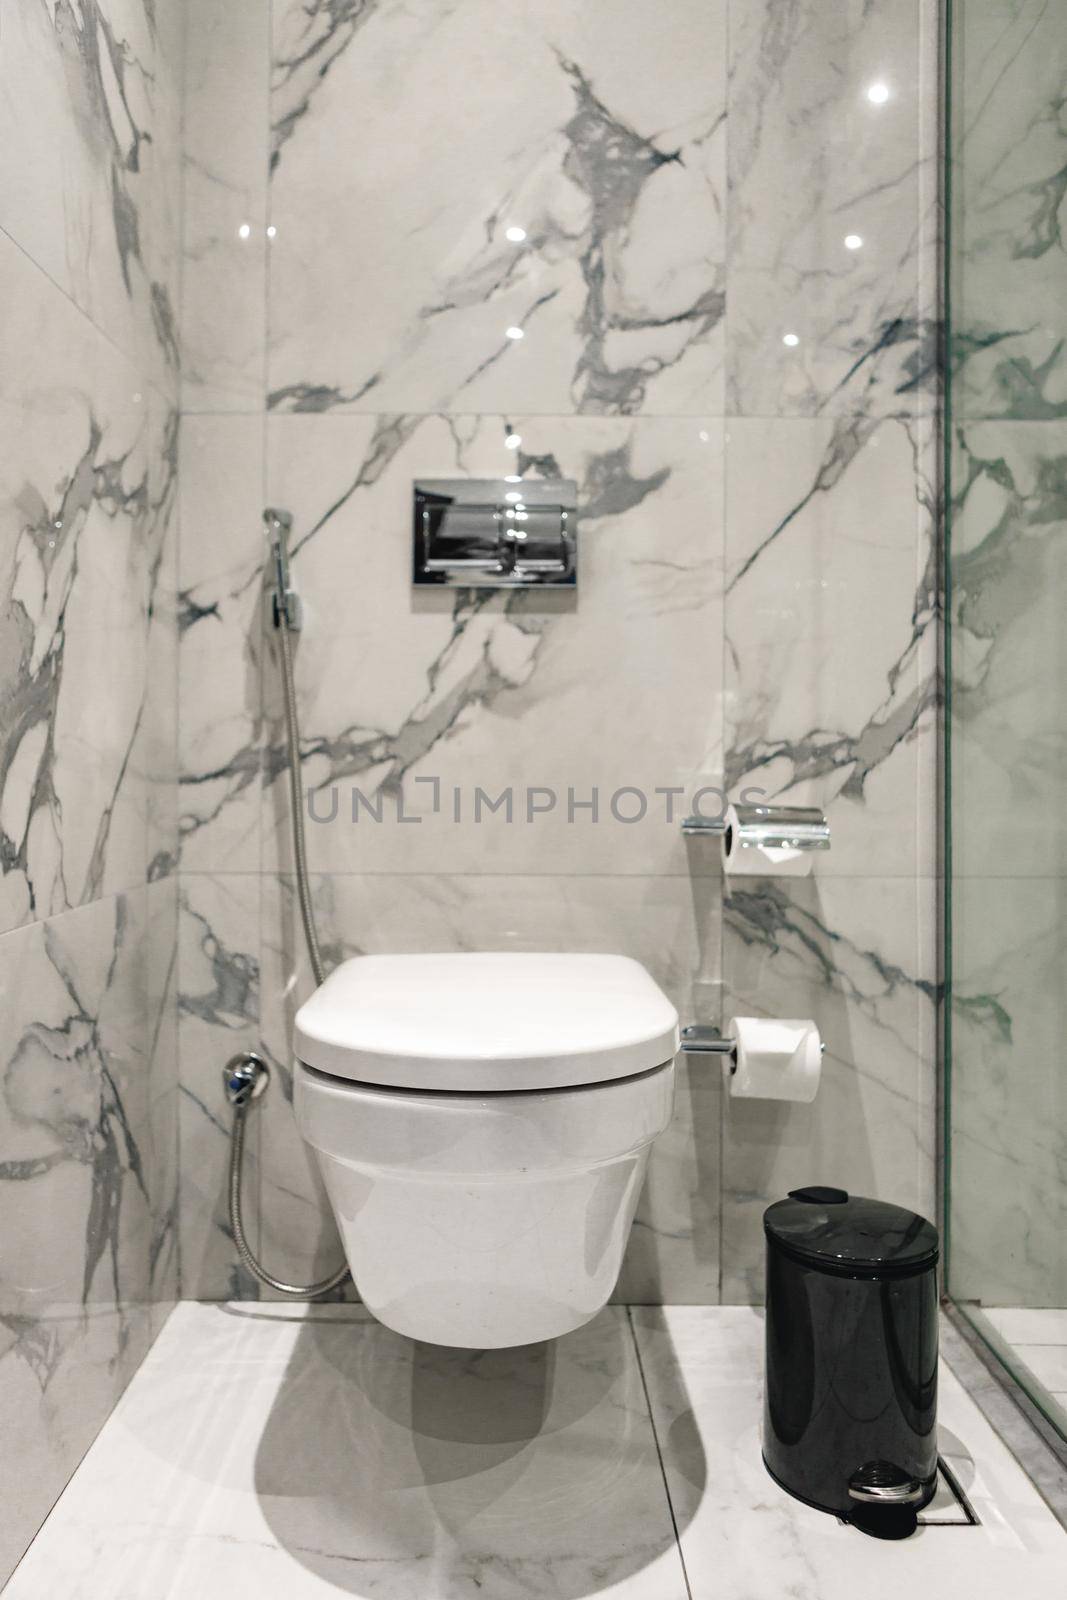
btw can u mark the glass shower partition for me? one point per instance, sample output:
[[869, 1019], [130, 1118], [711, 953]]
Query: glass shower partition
[[1005, 1112]]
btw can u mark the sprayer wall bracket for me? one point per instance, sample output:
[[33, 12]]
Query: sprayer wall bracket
[[245, 1077], [288, 606]]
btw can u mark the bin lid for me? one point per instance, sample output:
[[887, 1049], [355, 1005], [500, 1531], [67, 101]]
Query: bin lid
[[833, 1229]]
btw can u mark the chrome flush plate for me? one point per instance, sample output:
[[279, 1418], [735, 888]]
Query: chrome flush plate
[[495, 533]]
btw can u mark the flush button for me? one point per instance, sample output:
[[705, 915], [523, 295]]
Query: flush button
[[487, 533], [820, 1197]]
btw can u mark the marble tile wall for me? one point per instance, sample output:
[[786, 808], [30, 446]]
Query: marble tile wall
[[1008, 513], [90, 105], [757, 602]]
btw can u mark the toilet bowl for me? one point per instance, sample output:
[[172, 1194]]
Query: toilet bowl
[[483, 1124]]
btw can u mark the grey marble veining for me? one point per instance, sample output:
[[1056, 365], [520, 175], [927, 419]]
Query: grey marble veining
[[87, 1180], [1009, 148], [308, 42], [757, 595], [757, 598], [220, 607], [831, 698], [500, 690], [86, 500], [244, 972], [307, 1451], [856, 955], [218, 1014], [89, 163], [610, 161], [224, 172], [813, 163], [361, 1463], [670, 924], [1009, 1201], [89, 265], [740, 1534], [1007, 511], [1007, 570]]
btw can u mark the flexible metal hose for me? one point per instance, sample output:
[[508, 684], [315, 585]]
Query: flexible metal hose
[[296, 800], [304, 1291]]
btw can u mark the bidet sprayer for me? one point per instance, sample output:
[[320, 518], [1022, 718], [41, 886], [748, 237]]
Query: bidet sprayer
[[285, 602]]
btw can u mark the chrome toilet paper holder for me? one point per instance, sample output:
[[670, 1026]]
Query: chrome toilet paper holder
[[702, 1039], [768, 827]]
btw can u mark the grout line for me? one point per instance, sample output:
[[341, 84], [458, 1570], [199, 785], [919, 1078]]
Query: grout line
[[181, 1180], [647, 875], [349, 412], [136, 363], [659, 1452], [650, 876]]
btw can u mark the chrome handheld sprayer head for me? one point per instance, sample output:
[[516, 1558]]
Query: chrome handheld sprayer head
[[285, 602]]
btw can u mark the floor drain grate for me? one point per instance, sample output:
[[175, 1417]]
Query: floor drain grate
[[950, 1507]]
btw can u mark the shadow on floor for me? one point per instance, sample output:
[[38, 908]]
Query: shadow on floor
[[402, 1469]]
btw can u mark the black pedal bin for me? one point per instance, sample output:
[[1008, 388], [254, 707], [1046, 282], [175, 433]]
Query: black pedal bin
[[850, 1401]]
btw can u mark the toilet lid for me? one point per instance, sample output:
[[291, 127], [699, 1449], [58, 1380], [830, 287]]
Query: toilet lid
[[489, 1022]]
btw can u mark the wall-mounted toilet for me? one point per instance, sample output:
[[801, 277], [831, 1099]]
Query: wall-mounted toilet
[[483, 1125]]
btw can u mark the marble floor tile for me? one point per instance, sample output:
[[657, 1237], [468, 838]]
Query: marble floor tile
[[742, 1535], [309, 1452], [1027, 1325], [1047, 1362]]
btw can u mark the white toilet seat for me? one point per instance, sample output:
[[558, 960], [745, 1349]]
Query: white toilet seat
[[488, 1021]]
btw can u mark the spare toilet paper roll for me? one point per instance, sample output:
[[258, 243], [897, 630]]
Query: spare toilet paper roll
[[776, 1059], [746, 851]]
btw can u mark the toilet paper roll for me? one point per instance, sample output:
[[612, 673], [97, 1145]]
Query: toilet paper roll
[[776, 1059], [746, 851]]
